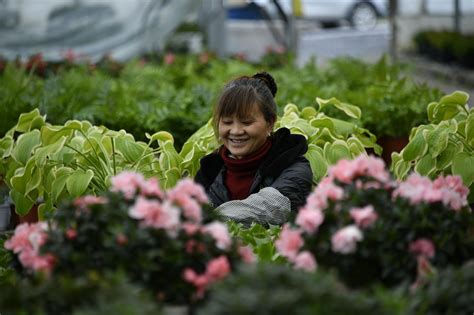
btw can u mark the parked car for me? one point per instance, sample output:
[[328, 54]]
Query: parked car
[[361, 14]]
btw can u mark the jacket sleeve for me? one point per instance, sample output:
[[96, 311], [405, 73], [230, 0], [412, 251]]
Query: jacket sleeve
[[295, 182], [268, 206]]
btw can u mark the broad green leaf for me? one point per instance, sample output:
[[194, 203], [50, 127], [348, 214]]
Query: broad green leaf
[[437, 140], [169, 158], [62, 174], [6, 146], [399, 167], [350, 110], [51, 134], [469, 130], [457, 97], [160, 136], [78, 181], [26, 120], [171, 177], [290, 108], [446, 157], [24, 145], [463, 165], [355, 146], [22, 204], [308, 112], [131, 150], [431, 108], [43, 153], [336, 151], [426, 165], [416, 148], [446, 111], [318, 163]]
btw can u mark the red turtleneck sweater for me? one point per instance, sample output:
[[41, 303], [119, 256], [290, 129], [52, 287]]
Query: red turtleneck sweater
[[240, 173]]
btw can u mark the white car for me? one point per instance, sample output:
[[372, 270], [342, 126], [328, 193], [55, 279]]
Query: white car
[[361, 14]]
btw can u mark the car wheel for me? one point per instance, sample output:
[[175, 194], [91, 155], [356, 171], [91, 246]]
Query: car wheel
[[363, 16]]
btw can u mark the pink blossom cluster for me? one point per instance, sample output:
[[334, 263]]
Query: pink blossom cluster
[[26, 243], [164, 209], [347, 171], [449, 190], [216, 269], [289, 244]]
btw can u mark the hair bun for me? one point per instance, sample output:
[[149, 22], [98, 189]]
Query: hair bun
[[268, 80]]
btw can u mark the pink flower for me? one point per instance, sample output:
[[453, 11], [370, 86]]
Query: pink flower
[[151, 188], [189, 196], [309, 219], [190, 228], [247, 255], [217, 268], [347, 170], [83, 203], [71, 233], [345, 240], [19, 241], [422, 247], [155, 214], [220, 234], [305, 261], [199, 281], [289, 242], [364, 217], [169, 58], [26, 242], [127, 183]]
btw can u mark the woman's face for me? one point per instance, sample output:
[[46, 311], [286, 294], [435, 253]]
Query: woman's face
[[243, 136]]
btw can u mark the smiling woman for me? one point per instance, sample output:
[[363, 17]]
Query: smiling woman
[[255, 175]]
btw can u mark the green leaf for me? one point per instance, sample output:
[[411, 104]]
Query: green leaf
[[469, 130], [160, 136], [62, 174], [78, 182], [336, 151], [416, 148], [24, 145], [446, 157], [426, 165], [172, 176], [463, 165], [318, 163], [52, 134], [6, 146], [26, 120], [399, 167], [22, 204], [132, 151], [350, 110], [437, 140], [457, 97], [308, 112], [43, 153]]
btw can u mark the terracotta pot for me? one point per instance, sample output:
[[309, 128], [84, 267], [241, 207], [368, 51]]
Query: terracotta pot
[[391, 144]]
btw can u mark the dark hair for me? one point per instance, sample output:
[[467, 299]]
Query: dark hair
[[241, 94]]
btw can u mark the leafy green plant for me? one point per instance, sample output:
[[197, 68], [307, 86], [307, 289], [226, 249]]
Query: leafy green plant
[[259, 238], [178, 249], [445, 145], [358, 218], [448, 292], [276, 289], [48, 162]]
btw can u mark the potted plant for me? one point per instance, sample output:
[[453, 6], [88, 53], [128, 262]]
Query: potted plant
[[179, 250], [359, 218], [445, 145], [44, 162]]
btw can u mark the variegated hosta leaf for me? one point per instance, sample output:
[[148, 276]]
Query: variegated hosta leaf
[[349, 109], [6, 146], [78, 182], [336, 151], [24, 145], [426, 165], [416, 148], [469, 130], [446, 157], [29, 121], [160, 136], [437, 140], [308, 113], [463, 165], [399, 167], [319, 166]]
